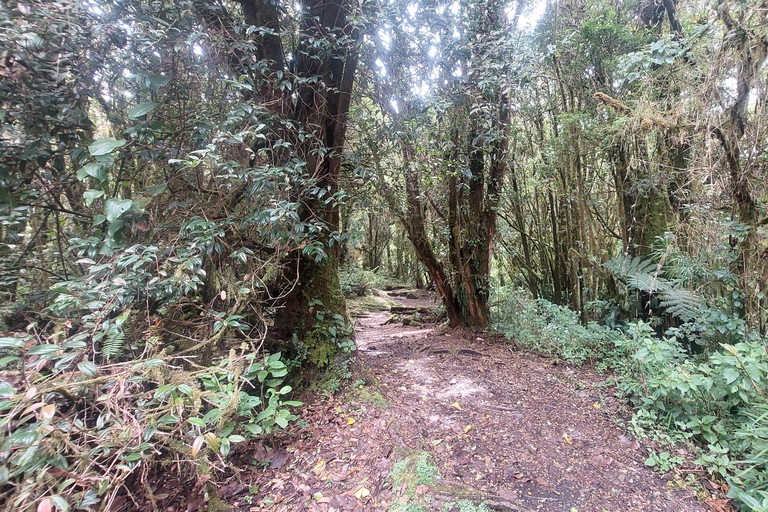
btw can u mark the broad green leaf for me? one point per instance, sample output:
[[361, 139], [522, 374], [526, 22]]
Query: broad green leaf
[[156, 81], [155, 190], [88, 368], [105, 146], [114, 227], [225, 447], [114, 208], [198, 422], [185, 388], [142, 109], [94, 170], [91, 195], [44, 349], [4, 361], [11, 342]]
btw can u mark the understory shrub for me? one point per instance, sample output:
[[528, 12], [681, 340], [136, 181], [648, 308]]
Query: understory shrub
[[719, 403], [81, 432], [539, 325], [356, 281]]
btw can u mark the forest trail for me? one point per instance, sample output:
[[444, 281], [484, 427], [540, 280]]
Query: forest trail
[[507, 428]]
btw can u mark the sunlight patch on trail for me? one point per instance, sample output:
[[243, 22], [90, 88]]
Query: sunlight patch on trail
[[426, 385]]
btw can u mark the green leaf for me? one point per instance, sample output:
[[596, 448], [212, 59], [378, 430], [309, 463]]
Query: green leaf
[[198, 422], [105, 146], [114, 227], [155, 190], [236, 439], [281, 421], [88, 368], [225, 447], [156, 81], [94, 170], [91, 195], [4, 475], [114, 208], [142, 109], [133, 456], [163, 391], [11, 342], [185, 388], [44, 349], [8, 359]]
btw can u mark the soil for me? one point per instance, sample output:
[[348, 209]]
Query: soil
[[504, 427]]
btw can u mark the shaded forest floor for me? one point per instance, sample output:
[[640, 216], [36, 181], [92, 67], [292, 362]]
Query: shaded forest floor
[[448, 418]]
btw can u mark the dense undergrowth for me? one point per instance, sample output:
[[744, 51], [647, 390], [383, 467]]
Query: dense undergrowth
[[715, 400]]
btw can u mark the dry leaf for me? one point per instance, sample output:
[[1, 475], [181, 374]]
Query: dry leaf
[[467, 428], [31, 392], [48, 411], [596, 405], [196, 445], [350, 421], [567, 439], [319, 467], [456, 405], [45, 506], [212, 440], [362, 493]]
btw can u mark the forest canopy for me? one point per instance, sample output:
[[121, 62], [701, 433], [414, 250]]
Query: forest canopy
[[190, 192]]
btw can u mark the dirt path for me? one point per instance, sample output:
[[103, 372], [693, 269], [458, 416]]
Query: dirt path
[[506, 428]]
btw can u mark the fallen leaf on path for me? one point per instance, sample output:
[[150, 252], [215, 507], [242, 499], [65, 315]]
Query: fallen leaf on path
[[350, 421], [279, 460], [319, 467], [508, 495], [567, 438], [467, 428], [596, 405], [362, 493], [601, 461], [456, 406]]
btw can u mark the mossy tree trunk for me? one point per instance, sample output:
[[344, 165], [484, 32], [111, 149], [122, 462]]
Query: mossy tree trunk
[[315, 310]]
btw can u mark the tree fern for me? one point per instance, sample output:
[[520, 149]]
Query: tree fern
[[647, 276]]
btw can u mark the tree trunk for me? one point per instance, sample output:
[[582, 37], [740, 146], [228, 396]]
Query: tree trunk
[[315, 311]]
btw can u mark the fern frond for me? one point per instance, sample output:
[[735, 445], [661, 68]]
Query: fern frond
[[114, 343], [682, 303], [646, 276], [640, 274]]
